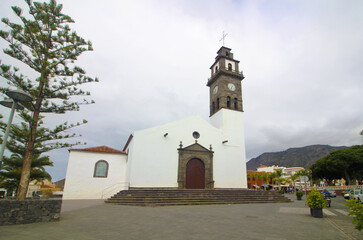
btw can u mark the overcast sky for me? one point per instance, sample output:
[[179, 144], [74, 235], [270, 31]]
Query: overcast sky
[[302, 61]]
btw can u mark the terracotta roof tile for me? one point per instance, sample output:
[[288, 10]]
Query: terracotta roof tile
[[103, 149]]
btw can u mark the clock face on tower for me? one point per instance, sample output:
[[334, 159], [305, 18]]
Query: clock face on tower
[[231, 86], [215, 90]]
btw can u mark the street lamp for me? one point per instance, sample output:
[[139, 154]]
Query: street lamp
[[16, 96]]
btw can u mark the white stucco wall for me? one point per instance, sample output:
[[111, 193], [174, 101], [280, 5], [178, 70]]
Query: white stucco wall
[[80, 183], [230, 159], [153, 158]]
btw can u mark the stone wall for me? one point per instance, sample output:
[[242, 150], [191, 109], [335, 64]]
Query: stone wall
[[29, 211]]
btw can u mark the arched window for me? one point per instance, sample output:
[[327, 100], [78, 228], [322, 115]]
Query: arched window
[[228, 101], [230, 66], [216, 68], [227, 54], [101, 169], [235, 103], [213, 108], [217, 103]]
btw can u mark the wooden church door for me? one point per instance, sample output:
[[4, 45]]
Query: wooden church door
[[195, 174]]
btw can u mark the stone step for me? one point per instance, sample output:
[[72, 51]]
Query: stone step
[[167, 197], [195, 200], [183, 192], [157, 203], [196, 197], [190, 194]]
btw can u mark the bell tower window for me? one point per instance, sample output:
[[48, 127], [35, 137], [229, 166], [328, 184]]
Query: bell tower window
[[236, 103], [216, 68], [229, 66], [228, 101]]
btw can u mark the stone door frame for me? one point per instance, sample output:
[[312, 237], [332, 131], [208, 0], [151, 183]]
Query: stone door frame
[[195, 151]]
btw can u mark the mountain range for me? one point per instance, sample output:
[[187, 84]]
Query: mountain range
[[292, 157]]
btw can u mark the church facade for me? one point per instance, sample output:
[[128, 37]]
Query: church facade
[[191, 153]]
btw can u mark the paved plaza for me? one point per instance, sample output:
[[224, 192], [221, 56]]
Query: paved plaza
[[95, 220]]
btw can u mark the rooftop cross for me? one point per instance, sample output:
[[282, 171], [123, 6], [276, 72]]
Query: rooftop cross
[[223, 37]]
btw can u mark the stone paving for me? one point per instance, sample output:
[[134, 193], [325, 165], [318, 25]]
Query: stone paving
[[95, 220]]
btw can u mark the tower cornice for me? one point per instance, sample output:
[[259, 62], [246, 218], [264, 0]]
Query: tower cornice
[[234, 74]]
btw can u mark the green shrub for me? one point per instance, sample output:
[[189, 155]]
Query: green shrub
[[356, 209], [299, 193], [47, 192], [315, 199]]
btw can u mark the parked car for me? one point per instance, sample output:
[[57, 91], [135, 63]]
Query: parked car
[[355, 193], [346, 196]]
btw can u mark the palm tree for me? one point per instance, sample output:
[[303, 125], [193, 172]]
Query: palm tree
[[293, 178], [265, 177], [256, 176], [279, 178], [249, 175], [272, 177], [306, 173]]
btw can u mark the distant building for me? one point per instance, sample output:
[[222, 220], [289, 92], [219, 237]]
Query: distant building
[[285, 171], [36, 187], [254, 182], [272, 168], [292, 170]]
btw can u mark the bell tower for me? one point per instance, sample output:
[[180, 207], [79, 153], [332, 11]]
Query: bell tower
[[225, 83]]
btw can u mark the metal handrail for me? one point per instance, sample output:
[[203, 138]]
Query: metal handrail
[[113, 185]]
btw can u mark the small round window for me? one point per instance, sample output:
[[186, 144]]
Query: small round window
[[196, 135]]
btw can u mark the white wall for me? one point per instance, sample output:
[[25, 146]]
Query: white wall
[[230, 157], [80, 183], [153, 158]]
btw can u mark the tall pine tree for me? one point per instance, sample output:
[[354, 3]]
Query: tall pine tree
[[44, 42]]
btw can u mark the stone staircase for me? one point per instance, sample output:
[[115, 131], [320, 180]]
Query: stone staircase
[[169, 197]]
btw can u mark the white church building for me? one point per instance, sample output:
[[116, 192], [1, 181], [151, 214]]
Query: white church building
[[191, 153]]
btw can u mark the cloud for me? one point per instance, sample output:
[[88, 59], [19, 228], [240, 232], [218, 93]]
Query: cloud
[[302, 62]]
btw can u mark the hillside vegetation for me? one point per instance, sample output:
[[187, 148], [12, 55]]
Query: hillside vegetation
[[292, 157]]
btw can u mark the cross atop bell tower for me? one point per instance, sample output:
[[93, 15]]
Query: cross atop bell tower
[[225, 88]]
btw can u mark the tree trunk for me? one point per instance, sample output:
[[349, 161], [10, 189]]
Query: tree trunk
[[28, 156], [347, 178], [25, 176]]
